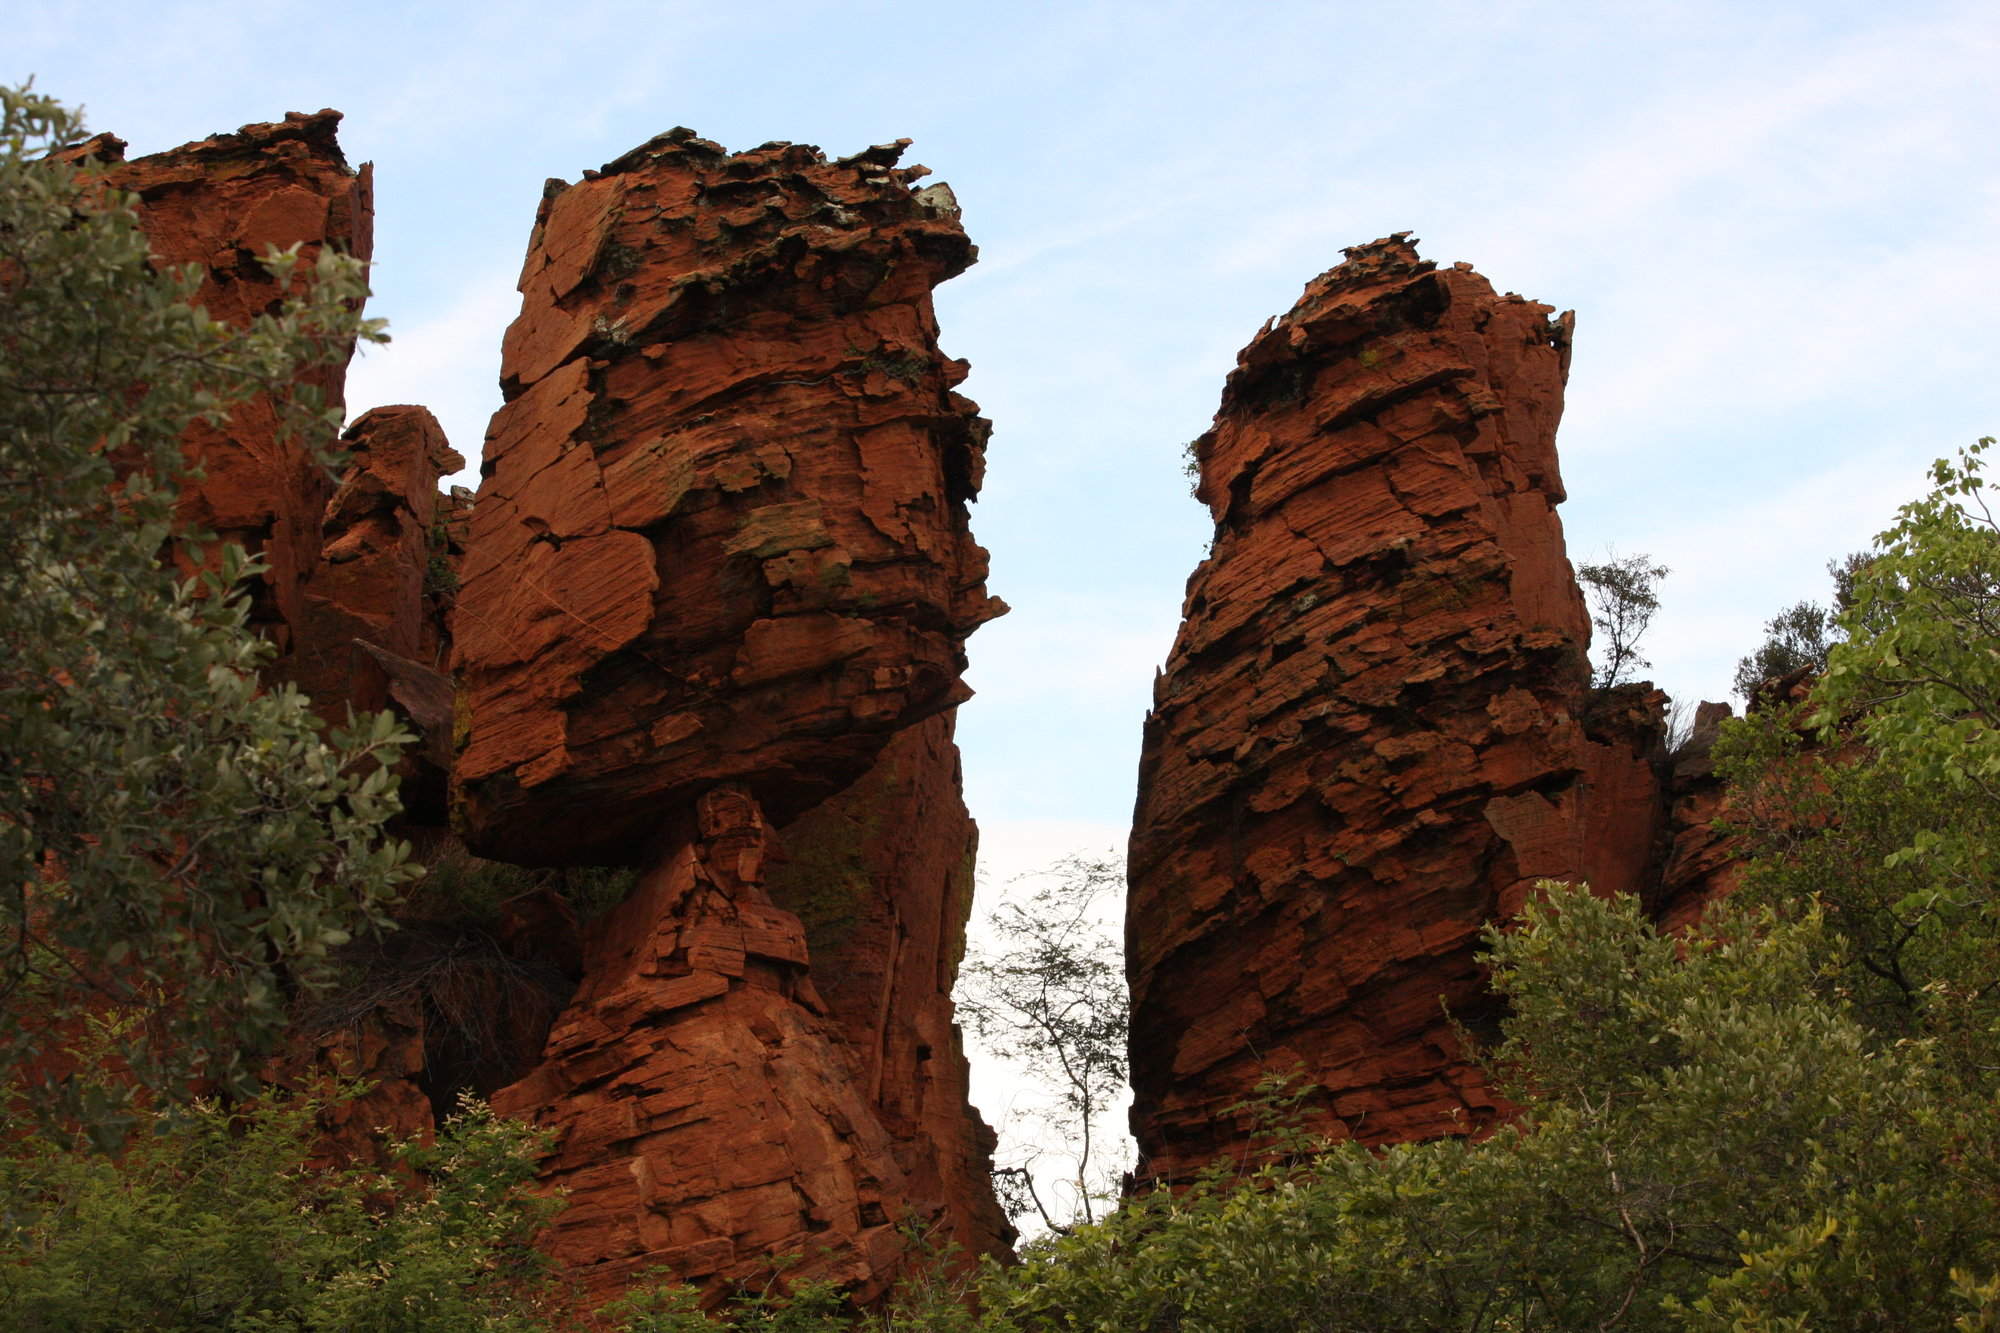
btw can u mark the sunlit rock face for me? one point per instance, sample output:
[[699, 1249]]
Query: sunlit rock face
[[722, 532], [711, 620], [1372, 736], [710, 607], [218, 204]]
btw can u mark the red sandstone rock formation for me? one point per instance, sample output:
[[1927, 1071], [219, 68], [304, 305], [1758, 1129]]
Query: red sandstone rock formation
[[721, 535], [218, 204], [711, 1119], [378, 530], [715, 592], [369, 635], [1699, 863], [881, 876], [1370, 738]]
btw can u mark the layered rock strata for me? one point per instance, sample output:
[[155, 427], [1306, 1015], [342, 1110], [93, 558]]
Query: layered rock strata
[[881, 878], [711, 1118], [721, 532], [341, 594], [219, 204], [714, 596], [383, 553], [1371, 736], [371, 633]]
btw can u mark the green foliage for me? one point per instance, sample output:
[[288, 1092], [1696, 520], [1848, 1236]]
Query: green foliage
[[440, 574], [223, 1220], [932, 1295], [176, 844], [669, 1306], [1780, 1120], [1836, 825], [1899, 836], [1795, 639], [462, 888], [1918, 665], [1707, 1139], [1623, 595], [1799, 637], [1047, 988]]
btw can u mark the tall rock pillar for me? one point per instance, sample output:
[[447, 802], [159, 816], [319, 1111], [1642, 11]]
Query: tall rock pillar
[[1369, 739], [711, 624]]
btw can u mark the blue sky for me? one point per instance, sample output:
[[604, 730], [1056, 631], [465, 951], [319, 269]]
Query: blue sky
[[1777, 223]]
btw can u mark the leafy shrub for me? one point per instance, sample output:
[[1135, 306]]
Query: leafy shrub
[[1707, 1143], [224, 1220]]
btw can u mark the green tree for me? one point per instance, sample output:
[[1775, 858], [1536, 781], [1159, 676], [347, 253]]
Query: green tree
[[1707, 1142], [1879, 797], [177, 845], [226, 1221], [1794, 639], [1799, 637], [1779, 1120], [1623, 596]]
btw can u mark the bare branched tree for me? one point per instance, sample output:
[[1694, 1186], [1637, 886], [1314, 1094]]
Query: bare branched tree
[[1047, 987]]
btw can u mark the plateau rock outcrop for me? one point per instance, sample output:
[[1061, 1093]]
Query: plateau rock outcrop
[[1374, 732], [714, 596], [372, 631], [709, 610], [218, 204], [341, 595]]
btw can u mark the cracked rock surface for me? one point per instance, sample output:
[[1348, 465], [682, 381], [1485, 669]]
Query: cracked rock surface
[[722, 532], [713, 603], [218, 204], [1370, 737]]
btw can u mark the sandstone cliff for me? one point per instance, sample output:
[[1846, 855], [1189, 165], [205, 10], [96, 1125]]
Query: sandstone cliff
[[715, 592], [701, 635], [218, 204], [711, 604], [721, 534], [1372, 734]]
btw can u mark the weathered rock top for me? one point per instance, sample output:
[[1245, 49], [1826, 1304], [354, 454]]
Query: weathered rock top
[[722, 533], [1367, 740]]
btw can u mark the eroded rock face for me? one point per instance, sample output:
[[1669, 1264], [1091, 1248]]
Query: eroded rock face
[[881, 877], [378, 543], [217, 204], [722, 532], [1700, 862], [710, 1118], [369, 634], [1370, 738], [712, 601], [714, 596]]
